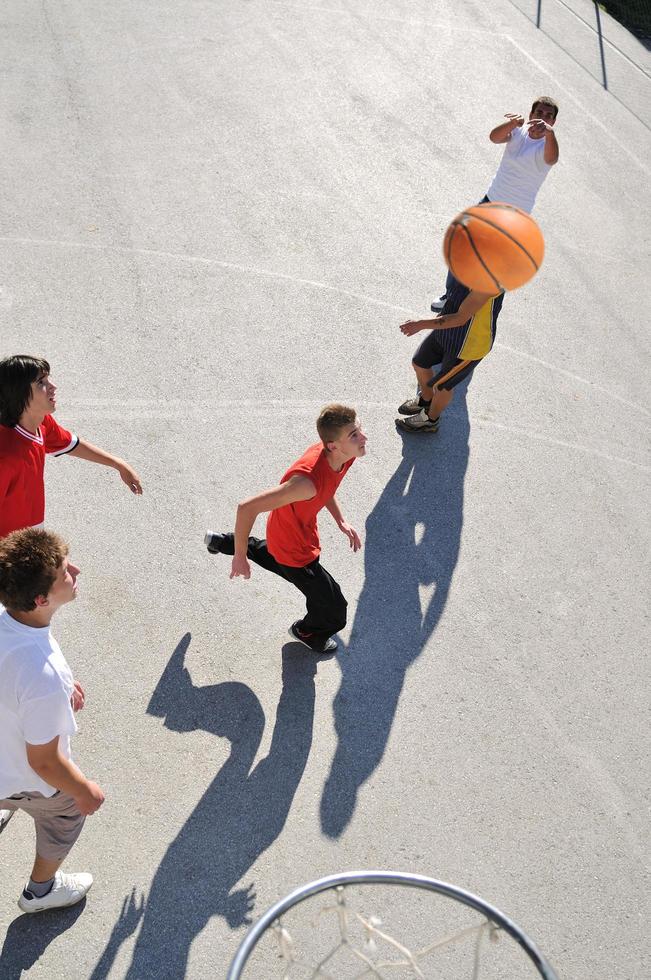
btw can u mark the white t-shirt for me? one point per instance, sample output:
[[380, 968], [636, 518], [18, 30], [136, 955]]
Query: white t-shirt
[[521, 171], [35, 689]]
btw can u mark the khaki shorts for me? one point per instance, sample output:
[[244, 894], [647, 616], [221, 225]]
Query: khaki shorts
[[58, 821]]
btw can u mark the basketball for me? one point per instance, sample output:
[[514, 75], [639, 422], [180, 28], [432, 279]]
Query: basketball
[[493, 247]]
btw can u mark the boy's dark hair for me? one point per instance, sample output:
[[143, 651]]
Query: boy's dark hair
[[545, 100], [16, 376], [29, 562], [331, 421]]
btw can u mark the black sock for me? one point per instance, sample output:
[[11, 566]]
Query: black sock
[[423, 402], [38, 889]]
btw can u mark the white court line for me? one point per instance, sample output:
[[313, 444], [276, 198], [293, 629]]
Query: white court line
[[176, 410], [376, 17], [254, 270], [576, 446], [372, 14], [621, 146], [573, 377]]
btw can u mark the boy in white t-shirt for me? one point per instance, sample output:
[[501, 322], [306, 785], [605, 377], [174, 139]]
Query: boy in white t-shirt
[[38, 698], [531, 151]]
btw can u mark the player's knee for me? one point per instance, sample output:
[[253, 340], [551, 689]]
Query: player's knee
[[339, 612]]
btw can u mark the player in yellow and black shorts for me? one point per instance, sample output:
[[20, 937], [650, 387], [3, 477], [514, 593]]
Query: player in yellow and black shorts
[[460, 338]]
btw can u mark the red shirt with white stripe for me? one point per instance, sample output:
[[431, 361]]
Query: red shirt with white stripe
[[22, 459]]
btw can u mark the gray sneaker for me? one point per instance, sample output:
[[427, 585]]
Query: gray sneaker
[[5, 817], [418, 423], [68, 889], [412, 406]]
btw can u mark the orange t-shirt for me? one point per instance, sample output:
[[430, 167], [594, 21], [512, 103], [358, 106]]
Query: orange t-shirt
[[292, 532]]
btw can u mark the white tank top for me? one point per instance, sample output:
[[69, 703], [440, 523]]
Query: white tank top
[[521, 171]]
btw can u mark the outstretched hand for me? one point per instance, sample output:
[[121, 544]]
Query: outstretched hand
[[130, 477], [240, 567], [515, 119], [537, 127], [352, 535], [414, 326]]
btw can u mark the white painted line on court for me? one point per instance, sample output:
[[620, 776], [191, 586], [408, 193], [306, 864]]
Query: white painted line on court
[[373, 15], [584, 112], [315, 284], [178, 411]]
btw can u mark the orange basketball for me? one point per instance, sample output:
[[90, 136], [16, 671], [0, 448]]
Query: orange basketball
[[493, 247]]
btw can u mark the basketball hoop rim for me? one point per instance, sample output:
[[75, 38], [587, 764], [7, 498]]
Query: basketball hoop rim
[[386, 878]]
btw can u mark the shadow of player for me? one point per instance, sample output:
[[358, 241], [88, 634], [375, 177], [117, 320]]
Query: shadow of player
[[239, 816], [412, 541], [28, 937]]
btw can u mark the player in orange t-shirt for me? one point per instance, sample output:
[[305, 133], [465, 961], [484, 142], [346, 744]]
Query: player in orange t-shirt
[[292, 547]]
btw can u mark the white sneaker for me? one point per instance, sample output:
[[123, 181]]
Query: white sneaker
[[438, 304], [68, 889], [5, 817]]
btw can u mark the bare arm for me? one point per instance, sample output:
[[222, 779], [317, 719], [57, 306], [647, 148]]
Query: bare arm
[[502, 133], [48, 763], [539, 128], [339, 519], [296, 488], [472, 304], [85, 450]]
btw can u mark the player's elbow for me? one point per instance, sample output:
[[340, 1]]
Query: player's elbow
[[43, 759], [246, 510]]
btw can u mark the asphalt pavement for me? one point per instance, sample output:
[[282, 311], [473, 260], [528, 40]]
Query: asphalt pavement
[[213, 219]]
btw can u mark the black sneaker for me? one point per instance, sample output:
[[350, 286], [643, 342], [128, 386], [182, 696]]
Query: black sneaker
[[213, 542], [305, 638], [438, 304]]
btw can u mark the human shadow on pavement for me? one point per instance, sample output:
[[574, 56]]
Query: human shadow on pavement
[[412, 542], [239, 816], [29, 936]]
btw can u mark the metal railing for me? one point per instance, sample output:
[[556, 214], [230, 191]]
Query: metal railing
[[541, 18]]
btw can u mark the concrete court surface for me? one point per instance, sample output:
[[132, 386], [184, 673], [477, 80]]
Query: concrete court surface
[[214, 218]]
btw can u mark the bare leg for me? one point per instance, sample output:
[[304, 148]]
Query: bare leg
[[441, 398], [423, 375], [44, 870]]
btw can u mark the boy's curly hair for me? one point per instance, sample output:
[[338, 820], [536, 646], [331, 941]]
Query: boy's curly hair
[[29, 562]]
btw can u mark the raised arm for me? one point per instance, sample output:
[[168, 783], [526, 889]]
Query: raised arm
[[538, 128], [333, 506], [296, 488], [472, 304], [502, 133], [85, 450]]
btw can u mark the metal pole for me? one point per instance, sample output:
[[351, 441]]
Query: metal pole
[[601, 44], [538, 13]]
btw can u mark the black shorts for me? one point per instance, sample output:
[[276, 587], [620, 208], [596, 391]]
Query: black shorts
[[452, 369]]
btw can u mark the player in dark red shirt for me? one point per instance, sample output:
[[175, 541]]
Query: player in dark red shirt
[[27, 434], [292, 547]]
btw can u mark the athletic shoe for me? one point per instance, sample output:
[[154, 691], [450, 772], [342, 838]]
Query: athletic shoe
[[212, 541], [418, 423], [439, 303], [5, 817], [66, 890], [411, 407], [304, 638]]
